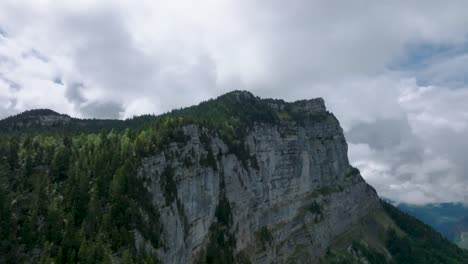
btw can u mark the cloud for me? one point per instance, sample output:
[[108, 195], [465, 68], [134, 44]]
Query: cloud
[[58, 80], [392, 72], [74, 93], [418, 159], [388, 135], [436, 63], [2, 33], [102, 110], [35, 54]]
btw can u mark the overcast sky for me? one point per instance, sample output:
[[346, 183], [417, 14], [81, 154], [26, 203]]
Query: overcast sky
[[393, 72]]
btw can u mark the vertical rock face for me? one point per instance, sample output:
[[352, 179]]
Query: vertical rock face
[[284, 196]]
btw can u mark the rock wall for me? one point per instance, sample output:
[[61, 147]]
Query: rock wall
[[290, 193]]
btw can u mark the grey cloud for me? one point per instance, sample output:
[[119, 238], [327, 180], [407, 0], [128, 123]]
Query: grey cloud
[[445, 68], [14, 86], [392, 140], [381, 134], [92, 109], [7, 62], [3, 59], [74, 93], [123, 64], [312, 41], [107, 53], [102, 110], [454, 145], [9, 108], [117, 66], [411, 167], [451, 72], [58, 80], [13, 103], [35, 54], [3, 34]]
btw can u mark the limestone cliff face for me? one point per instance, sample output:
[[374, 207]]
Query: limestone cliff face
[[285, 197]]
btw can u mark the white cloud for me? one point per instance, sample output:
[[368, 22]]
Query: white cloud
[[149, 57], [426, 162]]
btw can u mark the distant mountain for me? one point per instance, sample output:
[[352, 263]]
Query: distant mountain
[[49, 120], [46, 120], [450, 219], [33, 119], [236, 179]]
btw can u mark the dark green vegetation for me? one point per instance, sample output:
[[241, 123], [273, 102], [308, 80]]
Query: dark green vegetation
[[69, 190], [221, 244], [29, 121], [450, 219], [388, 235], [370, 254], [264, 236], [422, 244], [73, 198]]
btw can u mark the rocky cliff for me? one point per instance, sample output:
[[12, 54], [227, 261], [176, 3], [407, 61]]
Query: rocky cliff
[[294, 194], [236, 179]]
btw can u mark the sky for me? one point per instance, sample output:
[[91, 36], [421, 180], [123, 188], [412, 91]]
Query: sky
[[393, 72]]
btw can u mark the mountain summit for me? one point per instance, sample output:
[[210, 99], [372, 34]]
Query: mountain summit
[[33, 119], [237, 179]]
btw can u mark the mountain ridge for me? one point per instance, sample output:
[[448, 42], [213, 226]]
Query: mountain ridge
[[237, 179], [237, 96]]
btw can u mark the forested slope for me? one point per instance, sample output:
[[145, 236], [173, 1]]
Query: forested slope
[[73, 190]]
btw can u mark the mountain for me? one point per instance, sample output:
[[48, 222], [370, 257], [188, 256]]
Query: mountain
[[33, 119], [450, 219], [48, 120], [236, 179]]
